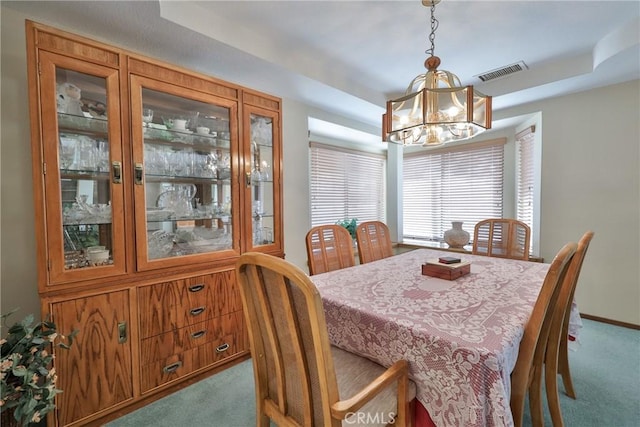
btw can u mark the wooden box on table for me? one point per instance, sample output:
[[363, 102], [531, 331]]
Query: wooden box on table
[[446, 271]]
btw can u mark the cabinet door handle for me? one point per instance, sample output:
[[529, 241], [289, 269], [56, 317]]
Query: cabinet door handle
[[196, 311], [116, 168], [196, 288], [247, 179], [122, 332], [172, 368], [198, 334], [222, 347], [139, 174]]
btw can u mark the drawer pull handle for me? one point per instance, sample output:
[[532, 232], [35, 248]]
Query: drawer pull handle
[[116, 170], [197, 311], [169, 369], [122, 332], [196, 288], [198, 334], [222, 347], [139, 174]]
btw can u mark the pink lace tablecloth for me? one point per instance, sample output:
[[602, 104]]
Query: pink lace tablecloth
[[461, 337]]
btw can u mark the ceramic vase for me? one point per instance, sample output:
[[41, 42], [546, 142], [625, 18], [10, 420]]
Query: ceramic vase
[[456, 237]]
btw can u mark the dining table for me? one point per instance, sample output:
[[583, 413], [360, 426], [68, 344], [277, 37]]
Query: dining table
[[461, 337]]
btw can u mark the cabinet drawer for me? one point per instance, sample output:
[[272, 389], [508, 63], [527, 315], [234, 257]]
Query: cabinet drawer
[[190, 354], [210, 332], [168, 306]]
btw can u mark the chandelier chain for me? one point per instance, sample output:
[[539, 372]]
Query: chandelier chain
[[434, 27]]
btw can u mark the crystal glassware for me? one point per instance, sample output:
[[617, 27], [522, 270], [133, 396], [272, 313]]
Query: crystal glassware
[[147, 116]]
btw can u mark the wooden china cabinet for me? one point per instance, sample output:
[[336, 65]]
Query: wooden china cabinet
[[150, 180]]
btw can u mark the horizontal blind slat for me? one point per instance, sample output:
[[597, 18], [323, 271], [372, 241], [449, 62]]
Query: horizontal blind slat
[[525, 178], [346, 184], [451, 186]]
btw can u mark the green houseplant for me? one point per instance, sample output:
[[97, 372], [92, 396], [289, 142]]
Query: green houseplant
[[350, 225], [28, 380]]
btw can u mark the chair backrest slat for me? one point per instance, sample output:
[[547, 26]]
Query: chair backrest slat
[[295, 376], [329, 247], [536, 332], [560, 318], [573, 275], [502, 238], [374, 241]]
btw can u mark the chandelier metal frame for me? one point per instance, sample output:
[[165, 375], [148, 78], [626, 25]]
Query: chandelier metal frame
[[436, 109]]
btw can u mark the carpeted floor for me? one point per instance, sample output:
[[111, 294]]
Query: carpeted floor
[[605, 367]]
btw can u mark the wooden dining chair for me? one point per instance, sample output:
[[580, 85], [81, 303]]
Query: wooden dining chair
[[556, 357], [527, 373], [329, 247], [374, 241], [300, 379], [502, 237]]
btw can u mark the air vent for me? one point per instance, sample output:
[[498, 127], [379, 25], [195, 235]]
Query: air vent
[[502, 72]]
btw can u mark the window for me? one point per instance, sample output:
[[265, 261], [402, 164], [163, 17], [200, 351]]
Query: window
[[525, 176], [460, 183], [346, 184]]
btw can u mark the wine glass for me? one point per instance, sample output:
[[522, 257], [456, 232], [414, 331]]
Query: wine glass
[[67, 155], [211, 165], [102, 156], [265, 170], [147, 116], [176, 163]]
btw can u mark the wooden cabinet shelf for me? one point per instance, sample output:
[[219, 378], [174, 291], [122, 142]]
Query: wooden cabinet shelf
[[172, 174]]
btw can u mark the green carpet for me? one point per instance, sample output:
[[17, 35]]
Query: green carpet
[[605, 368], [226, 400]]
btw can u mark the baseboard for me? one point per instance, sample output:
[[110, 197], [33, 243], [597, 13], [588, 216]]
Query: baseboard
[[610, 321]]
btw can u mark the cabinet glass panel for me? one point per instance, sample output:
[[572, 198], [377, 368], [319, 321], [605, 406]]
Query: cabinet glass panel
[[83, 160], [187, 175], [262, 205]]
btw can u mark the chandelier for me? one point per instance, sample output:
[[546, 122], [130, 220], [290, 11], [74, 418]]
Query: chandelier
[[436, 109]]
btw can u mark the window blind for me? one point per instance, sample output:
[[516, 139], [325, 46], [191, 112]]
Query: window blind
[[525, 176], [346, 184], [463, 183]]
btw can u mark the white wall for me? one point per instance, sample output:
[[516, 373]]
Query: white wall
[[296, 181], [590, 180], [18, 278]]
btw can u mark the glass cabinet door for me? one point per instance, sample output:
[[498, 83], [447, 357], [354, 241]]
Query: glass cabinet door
[[183, 173], [83, 169], [264, 173]]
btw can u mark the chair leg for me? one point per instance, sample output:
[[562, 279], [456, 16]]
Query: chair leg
[[563, 367], [517, 409], [535, 398], [551, 384], [411, 413], [263, 421]]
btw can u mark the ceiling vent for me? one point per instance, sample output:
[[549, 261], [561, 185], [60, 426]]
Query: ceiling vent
[[502, 72]]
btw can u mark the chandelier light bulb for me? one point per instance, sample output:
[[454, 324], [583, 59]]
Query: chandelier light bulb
[[453, 112]]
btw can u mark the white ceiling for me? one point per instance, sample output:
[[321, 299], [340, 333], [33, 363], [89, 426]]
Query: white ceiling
[[349, 57]]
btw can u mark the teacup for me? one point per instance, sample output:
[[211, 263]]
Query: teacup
[[179, 124], [202, 130]]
